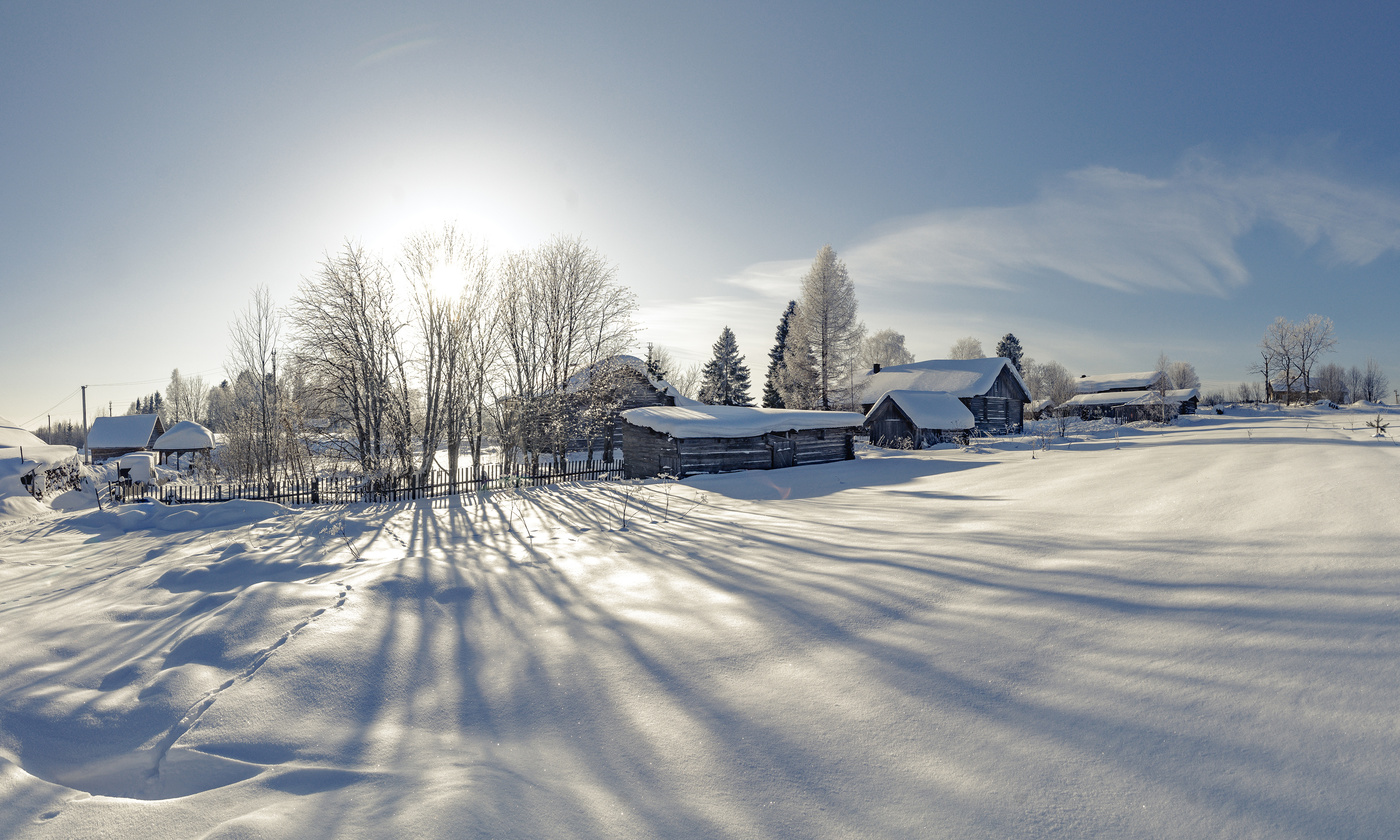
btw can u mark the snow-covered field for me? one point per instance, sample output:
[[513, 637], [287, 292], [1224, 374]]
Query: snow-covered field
[[1192, 632]]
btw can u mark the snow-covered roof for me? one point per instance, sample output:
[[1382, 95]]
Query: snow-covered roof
[[584, 376], [959, 377], [12, 435], [1040, 405], [185, 436], [1118, 381], [117, 432], [1130, 397], [930, 409], [734, 420]]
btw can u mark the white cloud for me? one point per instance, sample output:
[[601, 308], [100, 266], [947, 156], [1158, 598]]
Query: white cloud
[[1120, 230]]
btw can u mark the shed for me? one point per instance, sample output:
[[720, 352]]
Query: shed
[[616, 384], [918, 419], [693, 439], [992, 389], [110, 437], [184, 438]]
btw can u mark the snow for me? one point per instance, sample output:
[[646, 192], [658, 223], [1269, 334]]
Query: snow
[[12, 435], [1140, 381], [931, 409], [117, 432], [959, 377], [1182, 632], [700, 420], [184, 436]]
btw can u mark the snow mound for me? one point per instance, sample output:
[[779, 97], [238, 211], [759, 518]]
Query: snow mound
[[158, 517]]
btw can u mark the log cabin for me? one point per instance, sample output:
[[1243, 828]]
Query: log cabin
[[992, 389], [694, 439]]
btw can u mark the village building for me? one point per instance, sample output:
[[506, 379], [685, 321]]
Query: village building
[[110, 437], [918, 419], [185, 438], [1109, 383], [599, 393], [1129, 406], [991, 389], [691, 439]]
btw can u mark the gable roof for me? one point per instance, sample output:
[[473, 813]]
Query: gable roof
[[132, 430], [186, 435], [701, 420], [1140, 381], [929, 409], [959, 377], [12, 435]]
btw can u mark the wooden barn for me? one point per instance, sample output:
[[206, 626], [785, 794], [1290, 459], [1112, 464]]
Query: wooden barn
[[918, 420], [618, 383], [111, 437], [992, 389], [1109, 383], [1128, 406], [694, 439]]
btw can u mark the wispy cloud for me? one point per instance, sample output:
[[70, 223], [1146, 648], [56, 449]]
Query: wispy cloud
[[1124, 231], [387, 47]]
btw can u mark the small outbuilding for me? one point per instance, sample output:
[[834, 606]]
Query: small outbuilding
[[110, 437], [1127, 406], [918, 419], [694, 439], [184, 438]]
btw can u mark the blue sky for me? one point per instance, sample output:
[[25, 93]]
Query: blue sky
[[1106, 180]]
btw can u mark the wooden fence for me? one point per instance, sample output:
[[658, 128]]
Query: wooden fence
[[336, 491]]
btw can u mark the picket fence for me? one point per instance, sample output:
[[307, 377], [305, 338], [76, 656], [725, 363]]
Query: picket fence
[[336, 491]]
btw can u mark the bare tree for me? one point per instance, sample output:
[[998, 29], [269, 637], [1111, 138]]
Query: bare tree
[[1355, 383], [1049, 381], [454, 311], [1278, 352], [348, 333], [825, 337], [1314, 337], [1332, 382], [1374, 382], [687, 380], [966, 348], [1182, 375], [885, 347], [253, 430], [561, 310]]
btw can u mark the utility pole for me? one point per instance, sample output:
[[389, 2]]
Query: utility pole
[[85, 446]]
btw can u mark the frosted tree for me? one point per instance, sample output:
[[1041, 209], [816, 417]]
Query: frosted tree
[[824, 337], [1374, 382], [1010, 348], [725, 380], [1183, 375], [1050, 381], [885, 347], [966, 348], [777, 367]]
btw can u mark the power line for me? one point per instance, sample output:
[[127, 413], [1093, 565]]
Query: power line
[[48, 410]]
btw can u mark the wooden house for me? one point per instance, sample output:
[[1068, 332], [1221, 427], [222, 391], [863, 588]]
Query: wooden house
[[918, 420], [693, 439], [111, 437], [992, 389]]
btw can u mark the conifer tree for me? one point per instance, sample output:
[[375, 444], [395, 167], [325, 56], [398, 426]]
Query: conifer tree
[[825, 337], [656, 362], [1010, 348], [777, 367], [726, 377]]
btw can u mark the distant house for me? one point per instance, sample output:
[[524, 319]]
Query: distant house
[[111, 437], [1109, 383], [1040, 408], [184, 438], [991, 389], [1127, 406], [690, 439], [918, 419]]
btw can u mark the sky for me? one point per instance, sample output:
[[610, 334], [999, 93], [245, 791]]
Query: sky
[[1107, 181]]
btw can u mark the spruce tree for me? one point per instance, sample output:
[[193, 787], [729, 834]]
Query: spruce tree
[[1010, 348], [656, 365], [777, 367], [725, 380]]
